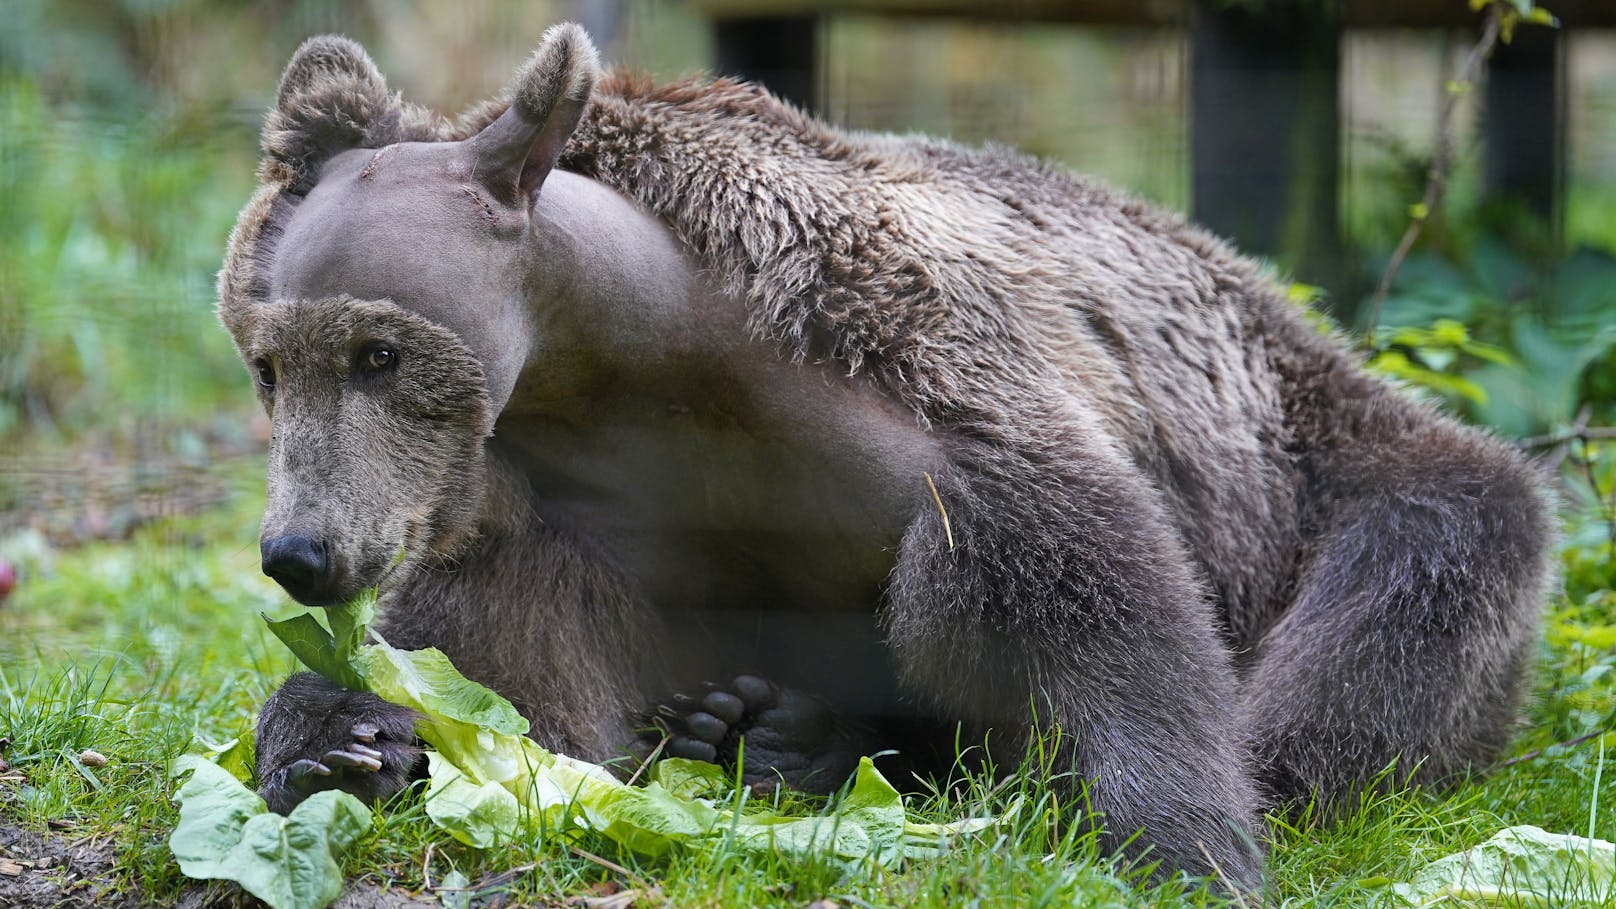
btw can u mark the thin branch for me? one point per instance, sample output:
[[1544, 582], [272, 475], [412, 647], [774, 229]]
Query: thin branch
[[1533, 755], [1436, 183], [1578, 431], [608, 864], [649, 759]]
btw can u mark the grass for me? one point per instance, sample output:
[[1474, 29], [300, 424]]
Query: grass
[[146, 649]]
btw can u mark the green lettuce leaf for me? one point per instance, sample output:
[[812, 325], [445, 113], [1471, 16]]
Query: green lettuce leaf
[[226, 832], [478, 814], [689, 779], [427, 682], [490, 783], [555, 796], [1519, 866], [316, 648], [332, 653], [866, 827], [349, 623]]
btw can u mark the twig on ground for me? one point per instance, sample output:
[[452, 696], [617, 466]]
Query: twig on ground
[[502, 878], [649, 759], [1436, 183], [608, 864]]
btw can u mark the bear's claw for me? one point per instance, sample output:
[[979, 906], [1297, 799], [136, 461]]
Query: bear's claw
[[778, 736], [314, 735]]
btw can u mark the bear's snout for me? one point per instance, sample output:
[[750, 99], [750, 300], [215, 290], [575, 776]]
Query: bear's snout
[[302, 566]]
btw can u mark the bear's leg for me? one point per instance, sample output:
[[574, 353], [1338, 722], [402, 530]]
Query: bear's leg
[[1413, 623], [777, 736], [1057, 597]]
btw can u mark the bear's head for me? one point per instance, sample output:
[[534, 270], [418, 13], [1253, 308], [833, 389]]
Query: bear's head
[[376, 288]]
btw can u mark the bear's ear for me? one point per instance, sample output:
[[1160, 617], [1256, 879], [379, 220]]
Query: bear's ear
[[513, 154], [331, 98]]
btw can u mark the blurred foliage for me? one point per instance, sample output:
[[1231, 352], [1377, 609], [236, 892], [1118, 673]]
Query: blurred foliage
[[1514, 14], [1510, 323], [1548, 337], [1581, 628], [121, 168], [128, 128], [113, 231], [1421, 356]]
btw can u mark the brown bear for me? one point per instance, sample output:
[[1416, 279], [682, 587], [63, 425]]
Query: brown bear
[[658, 384]]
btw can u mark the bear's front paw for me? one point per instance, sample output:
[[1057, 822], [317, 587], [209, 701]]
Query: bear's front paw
[[778, 736], [314, 735]]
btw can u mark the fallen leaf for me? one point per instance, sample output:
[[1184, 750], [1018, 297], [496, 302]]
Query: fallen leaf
[[1519, 866], [622, 899], [226, 831], [454, 892]]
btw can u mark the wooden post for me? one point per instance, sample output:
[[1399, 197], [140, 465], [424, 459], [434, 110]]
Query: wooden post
[[780, 52], [1265, 135], [1526, 123]]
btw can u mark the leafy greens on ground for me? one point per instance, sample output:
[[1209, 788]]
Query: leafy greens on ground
[[488, 783]]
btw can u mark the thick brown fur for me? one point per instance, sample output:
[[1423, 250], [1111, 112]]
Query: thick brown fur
[[1181, 524], [1039, 315]]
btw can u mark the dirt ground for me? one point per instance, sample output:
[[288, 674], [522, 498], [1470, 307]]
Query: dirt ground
[[51, 870]]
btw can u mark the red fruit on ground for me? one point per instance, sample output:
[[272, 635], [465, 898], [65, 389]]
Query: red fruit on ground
[[8, 578]]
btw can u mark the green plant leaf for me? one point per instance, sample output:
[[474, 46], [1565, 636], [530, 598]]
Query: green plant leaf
[[235, 756], [316, 648], [427, 682], [478, 814], [691, 779], [488, 782], [454, 891], [868, 826], [349, 622], [1519, 866], [226, 832]]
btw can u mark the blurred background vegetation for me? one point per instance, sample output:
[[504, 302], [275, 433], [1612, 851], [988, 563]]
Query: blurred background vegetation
[[128, 133]]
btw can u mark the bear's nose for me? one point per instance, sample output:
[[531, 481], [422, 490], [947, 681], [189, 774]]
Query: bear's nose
[[299, 564]]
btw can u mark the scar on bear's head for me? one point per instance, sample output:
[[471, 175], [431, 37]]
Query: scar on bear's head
[[375, 161], [488, 213]]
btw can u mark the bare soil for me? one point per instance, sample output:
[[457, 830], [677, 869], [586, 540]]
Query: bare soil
[[51, 870]]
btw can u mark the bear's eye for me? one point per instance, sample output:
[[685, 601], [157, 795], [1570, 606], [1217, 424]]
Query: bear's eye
[[266, 374], [376, 359]]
